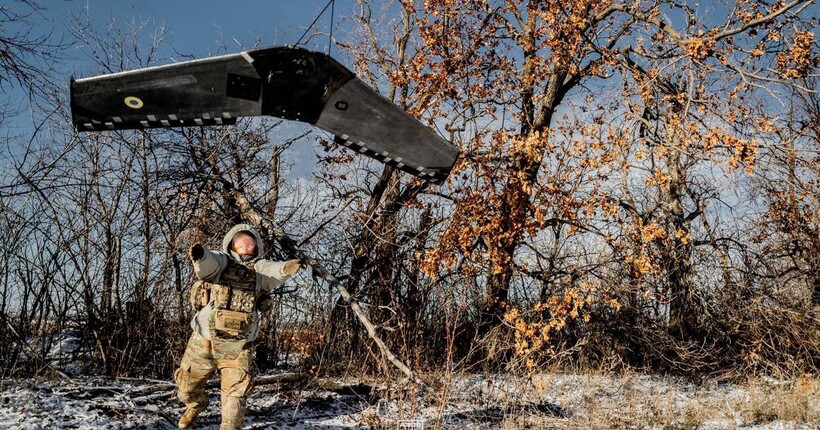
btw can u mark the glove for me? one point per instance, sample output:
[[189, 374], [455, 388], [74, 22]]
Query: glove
[[291, 267], [197, 252], [264, 303]]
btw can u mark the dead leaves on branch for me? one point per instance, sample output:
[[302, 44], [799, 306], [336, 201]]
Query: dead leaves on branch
[[676, 95], [799, 60], [510, 206], [534, 327]]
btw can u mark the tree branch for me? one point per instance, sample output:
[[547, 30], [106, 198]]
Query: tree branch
[[290, 246]]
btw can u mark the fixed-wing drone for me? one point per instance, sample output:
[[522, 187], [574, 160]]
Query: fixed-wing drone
[[284, 82]]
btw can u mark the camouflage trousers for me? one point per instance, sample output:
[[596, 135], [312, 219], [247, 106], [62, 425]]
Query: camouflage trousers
[[201, 360]]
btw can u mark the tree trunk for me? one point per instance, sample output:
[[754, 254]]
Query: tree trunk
[[516, 205], [366, 249], [275, 177], [683, 309], [180, 289]]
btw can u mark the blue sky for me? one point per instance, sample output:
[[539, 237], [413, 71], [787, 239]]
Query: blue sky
[[199, 28], [194, 26], [192, 29]]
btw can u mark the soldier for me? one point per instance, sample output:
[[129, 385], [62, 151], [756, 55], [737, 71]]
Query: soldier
[[232, 287]]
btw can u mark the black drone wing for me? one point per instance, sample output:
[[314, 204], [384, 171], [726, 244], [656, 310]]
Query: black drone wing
[[285, 82]]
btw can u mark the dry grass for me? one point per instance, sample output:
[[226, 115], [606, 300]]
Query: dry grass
[[796, 401], [642, 402], [604, 401]]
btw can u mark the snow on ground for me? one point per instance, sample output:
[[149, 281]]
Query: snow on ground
[[475, 402], [52, 405]]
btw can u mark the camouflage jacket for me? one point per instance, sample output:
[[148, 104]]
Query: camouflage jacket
[[269, 275]]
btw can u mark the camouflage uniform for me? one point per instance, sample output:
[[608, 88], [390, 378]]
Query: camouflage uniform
[[202, 358], [231, 352]]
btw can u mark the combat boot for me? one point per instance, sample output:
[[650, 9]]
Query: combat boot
[[189, 417]]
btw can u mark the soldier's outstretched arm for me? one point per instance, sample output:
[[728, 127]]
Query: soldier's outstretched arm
[[207, 264], [271, 275], [274, 273]]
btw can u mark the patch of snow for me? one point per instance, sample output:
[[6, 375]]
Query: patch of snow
[[66, 342], [25, 405], [290, 361], [474, 402]]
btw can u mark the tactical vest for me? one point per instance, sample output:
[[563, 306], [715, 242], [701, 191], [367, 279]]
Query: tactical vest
[[233, 301]]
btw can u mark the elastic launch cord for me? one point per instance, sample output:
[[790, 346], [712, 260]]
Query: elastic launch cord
[[332, 5]]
